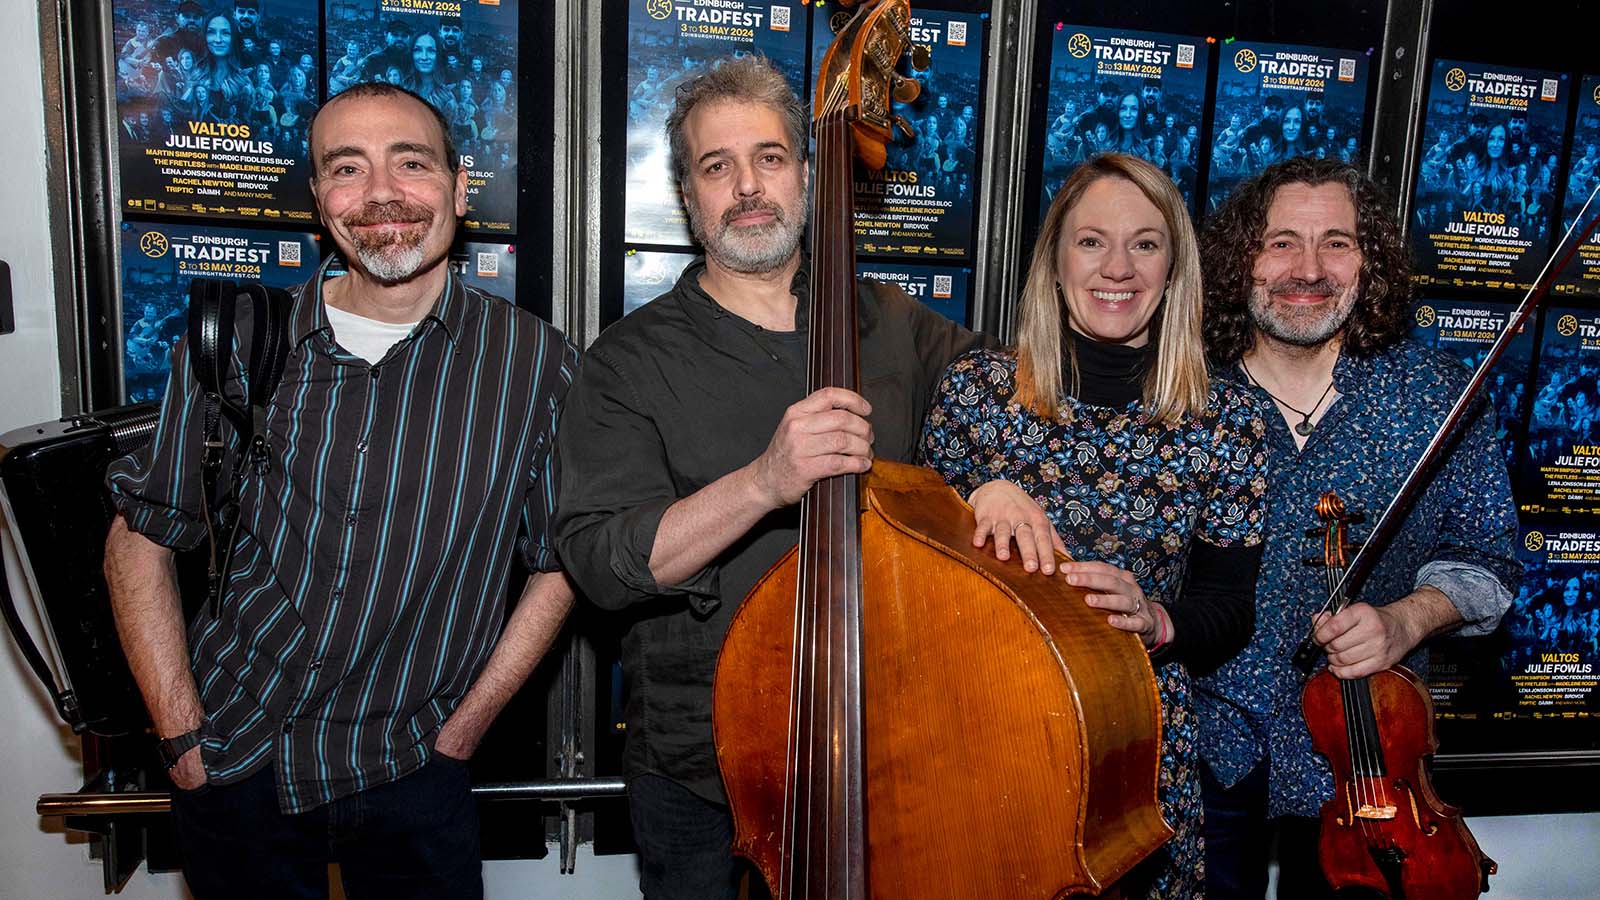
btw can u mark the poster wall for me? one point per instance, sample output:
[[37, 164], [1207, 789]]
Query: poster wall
[[1542, 663], [1127, 91], [158, 262], [1582, 275], [1275, 101], [1485, 187], [463, 58], [920, 203], [212, 107], [944, 289], [668, 41], [1465, 329], [1561, 468]]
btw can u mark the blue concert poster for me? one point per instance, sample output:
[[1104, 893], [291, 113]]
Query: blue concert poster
[[920, 203], [944, 289], [1465, 329], [647, 275], [1561, 466], [158, 262], [1482, 213], [670, 41], [1276, 101], [1582, 275], [1126, 91], [462, 57], [1542, 662], [491, 268], [212, 107]]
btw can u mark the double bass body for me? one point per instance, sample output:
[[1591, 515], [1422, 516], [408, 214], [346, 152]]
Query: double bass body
[[1011, 736]]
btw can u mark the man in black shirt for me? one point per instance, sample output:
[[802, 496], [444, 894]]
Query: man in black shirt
[[688, 440]]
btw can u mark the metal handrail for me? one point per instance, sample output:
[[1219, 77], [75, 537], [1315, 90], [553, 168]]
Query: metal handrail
[[156, 802]]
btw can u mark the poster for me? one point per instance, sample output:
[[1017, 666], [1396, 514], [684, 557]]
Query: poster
[[158, 262], [920, 203], [669, 41], [212, 107], [1276, 101], [942, 288], [462, 56], [491, 268], [1465, 329], [1485, 186], [1582, 275], [1542, 663], [1561, 468], [1130, 91], [647, 275]]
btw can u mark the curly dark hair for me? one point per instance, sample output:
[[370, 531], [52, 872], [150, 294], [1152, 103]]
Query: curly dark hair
[[1232, 239]]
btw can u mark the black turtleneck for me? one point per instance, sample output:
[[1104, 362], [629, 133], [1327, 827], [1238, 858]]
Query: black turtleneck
[[1215, 614], [1108, 374]]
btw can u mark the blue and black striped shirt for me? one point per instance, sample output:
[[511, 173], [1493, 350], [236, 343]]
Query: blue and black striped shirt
[[372, 563]]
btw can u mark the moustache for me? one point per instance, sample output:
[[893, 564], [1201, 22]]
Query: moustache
[[386, 213], [745, 207], [1325, 287]]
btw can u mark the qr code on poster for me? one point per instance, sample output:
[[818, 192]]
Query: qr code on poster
[[1347, 70], [488, 265], [288, 253], [1185, 56], [780, 18], [957, 35], [941, 287], [1549, 89]]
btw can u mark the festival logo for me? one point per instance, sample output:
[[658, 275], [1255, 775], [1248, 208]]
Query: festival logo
[[1245, 60]]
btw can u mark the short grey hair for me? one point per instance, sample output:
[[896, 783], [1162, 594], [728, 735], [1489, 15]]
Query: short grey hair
[[751, 79]]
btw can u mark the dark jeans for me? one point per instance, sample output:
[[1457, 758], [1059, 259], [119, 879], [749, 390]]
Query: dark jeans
[[412, 838], [685, 842], [1239, 843]]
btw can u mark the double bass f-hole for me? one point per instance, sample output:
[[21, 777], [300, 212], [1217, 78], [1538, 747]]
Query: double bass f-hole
[[1384, 829]]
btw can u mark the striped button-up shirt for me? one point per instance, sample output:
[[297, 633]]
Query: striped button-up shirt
[[370, 574]]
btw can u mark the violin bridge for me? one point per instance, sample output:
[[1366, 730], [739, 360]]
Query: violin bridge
[[1370, 811]]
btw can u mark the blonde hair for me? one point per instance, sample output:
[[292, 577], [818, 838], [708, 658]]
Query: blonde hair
[[1176, 386]]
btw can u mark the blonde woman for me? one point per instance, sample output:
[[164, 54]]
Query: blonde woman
[[1101, 435]]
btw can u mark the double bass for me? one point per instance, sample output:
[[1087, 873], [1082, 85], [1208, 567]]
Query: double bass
[[895, 713]]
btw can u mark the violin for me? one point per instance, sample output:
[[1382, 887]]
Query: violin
[[897, 713], [1384, 829]]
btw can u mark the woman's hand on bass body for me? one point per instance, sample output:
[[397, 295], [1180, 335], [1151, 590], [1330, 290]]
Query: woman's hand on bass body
[[1006, 513], [1117, 591]]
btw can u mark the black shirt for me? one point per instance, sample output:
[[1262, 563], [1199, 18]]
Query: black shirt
[[673, 397]]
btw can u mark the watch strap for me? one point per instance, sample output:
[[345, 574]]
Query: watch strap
[[173, 748]]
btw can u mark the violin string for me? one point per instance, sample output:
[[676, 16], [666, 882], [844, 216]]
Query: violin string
[[1357, 735]]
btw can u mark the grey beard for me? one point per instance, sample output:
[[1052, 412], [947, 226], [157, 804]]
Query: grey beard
[[1298, 332], [752, 251], [391, 263]]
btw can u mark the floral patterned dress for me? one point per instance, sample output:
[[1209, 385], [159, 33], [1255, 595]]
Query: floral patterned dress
[[1123, 488]]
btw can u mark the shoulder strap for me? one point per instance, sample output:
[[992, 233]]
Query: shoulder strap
[[213, 304]]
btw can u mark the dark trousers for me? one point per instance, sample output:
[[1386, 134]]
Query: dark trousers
[[1239, 842], [412, 838], [685, 843]]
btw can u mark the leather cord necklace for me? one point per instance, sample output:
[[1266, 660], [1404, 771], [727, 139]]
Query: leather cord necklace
[[1305, 427]]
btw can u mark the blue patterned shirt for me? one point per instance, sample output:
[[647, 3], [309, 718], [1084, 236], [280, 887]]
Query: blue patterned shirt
[[1458, 538]]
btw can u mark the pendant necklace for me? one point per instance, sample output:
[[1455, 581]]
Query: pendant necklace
[[1305, 427]]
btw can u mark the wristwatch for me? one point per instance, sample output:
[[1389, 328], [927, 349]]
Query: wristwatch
[[173, 748]]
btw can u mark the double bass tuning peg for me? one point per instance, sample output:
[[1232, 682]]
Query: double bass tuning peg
[[906, 89]]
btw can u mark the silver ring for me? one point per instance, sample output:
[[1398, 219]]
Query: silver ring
[[1023, 525], [1138, 604]]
